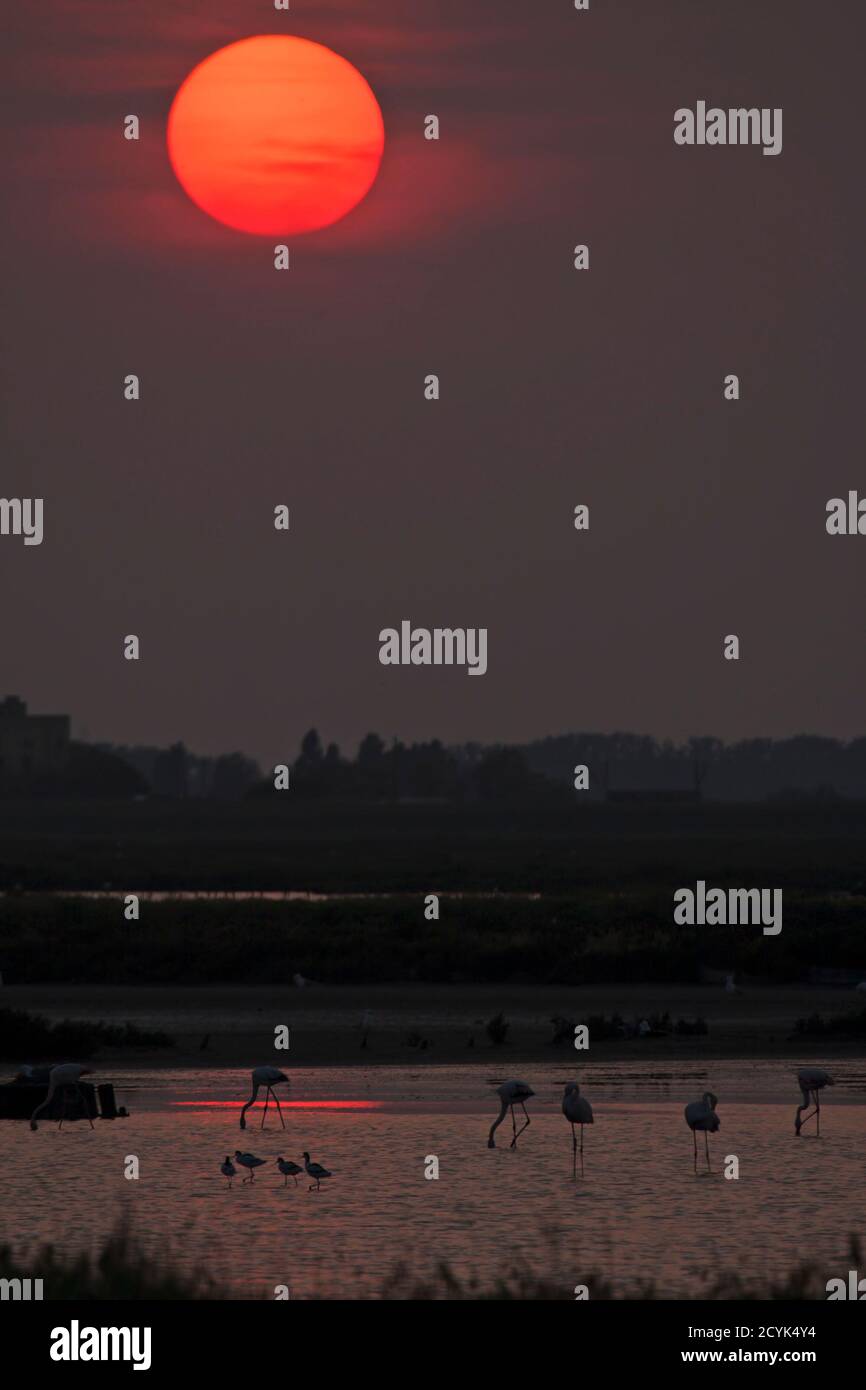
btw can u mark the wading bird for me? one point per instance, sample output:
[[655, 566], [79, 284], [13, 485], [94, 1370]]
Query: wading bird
[[511, 1093], [577, 1111], [811, 1080], [315, 1170], [701, 1114], [65, 1078], [268, 1077], [289, 1170], [248, 1161], [228, 1170]]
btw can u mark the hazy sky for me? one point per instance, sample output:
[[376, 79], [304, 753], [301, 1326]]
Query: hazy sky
[[558, 387]]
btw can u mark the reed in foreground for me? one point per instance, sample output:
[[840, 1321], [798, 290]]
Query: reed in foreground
[[122, 1270]]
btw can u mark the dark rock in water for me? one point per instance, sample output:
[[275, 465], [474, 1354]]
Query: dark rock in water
[[107, 1106], [19, 1098]]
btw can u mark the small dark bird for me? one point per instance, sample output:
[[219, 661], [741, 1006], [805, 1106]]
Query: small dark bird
[[250, 1162], [289, 1170], [228, 1169], [315, 1170]]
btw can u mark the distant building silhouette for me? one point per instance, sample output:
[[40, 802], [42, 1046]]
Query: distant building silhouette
[[31, 743]]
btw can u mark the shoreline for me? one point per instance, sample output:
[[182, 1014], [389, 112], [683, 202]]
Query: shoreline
[[428, 1025]]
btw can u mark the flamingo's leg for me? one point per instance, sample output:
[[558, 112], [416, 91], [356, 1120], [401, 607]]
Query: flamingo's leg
[[573, 1151], [695, 1138], [265, 1111], [279, 1111], [513, 1128], [522, 1127], [818, 1114], [75, 1092], [83, 1100], [519, 1132], [707, 1147]]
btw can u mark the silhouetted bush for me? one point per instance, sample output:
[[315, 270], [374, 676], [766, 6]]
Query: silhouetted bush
[[851, 1025], [497, 1029], [26, 1036], [691, 1027]]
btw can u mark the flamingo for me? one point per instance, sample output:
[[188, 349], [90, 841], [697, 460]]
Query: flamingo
[[511, 1093], [315, 1170], [249, 1161], [229, 1169], [811, 1080], [289, 1170], [577, 1111], [268, 1077], [66, 1078], [701, 1114]]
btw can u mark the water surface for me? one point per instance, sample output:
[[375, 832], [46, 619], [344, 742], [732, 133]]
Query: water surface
[[639, 1213]]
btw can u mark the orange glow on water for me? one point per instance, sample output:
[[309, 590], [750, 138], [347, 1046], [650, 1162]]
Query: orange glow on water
[[287, 1104], [275, 135]]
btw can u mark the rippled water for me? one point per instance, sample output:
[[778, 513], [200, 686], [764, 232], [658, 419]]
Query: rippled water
[[638, 1212]]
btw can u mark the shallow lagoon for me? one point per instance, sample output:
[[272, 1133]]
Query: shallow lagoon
[[639, 1214]]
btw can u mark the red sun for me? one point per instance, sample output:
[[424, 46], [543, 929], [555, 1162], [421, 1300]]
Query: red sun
[[275, 135]]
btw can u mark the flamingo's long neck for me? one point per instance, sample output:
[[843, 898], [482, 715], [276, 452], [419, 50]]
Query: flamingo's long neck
[[52, 1087], [498, 1121], [251, 1101]]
